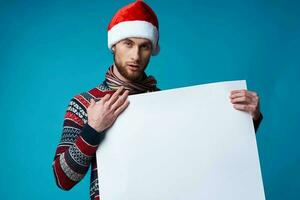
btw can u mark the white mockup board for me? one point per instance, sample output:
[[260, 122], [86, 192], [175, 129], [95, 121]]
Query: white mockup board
[[181, 144]]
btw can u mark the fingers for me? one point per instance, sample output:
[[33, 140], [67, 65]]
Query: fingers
[[115, 96], [243, 107], [121, 108], [243, 96], [121, 99], [112, 102], [253, 93], [238, 91], [92, 103], [243, 99], [104, 99]]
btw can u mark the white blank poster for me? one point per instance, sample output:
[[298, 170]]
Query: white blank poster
[[181, 144]]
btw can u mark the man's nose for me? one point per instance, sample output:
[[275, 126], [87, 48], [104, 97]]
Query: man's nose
[[135, 56]]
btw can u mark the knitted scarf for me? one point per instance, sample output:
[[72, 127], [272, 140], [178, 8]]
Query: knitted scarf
[[147, 84]]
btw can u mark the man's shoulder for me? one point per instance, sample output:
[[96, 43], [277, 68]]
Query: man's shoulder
[[83, 98]]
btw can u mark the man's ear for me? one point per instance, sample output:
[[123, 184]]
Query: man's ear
[[113, 48]]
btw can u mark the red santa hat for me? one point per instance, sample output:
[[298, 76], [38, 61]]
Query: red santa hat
[[134, 20]]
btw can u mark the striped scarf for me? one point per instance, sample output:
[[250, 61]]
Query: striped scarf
[[147, 84]]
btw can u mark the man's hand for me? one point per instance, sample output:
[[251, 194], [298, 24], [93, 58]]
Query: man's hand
[[245, 100], [101, 115]]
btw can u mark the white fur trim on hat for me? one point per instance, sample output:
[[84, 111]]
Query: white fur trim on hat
[[137, 28]]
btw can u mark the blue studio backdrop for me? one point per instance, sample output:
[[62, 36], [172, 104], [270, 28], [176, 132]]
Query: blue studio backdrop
[[52, 50]]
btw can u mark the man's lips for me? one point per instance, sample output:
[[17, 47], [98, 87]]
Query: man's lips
[[134, 67]]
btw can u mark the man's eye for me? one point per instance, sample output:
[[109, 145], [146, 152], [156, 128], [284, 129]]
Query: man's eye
[[146, 47], [128, 44]]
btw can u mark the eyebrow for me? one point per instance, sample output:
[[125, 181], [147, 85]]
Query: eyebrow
[[127, 40], [143, 43], [146, 43]]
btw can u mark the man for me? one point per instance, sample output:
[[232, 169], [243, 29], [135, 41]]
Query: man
[[132, 37]]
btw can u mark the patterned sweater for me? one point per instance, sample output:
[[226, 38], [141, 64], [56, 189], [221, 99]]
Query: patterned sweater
[[79, 142]]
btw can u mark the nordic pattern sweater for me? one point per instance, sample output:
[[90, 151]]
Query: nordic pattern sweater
[[79, 142]]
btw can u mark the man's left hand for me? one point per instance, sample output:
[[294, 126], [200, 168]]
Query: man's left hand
[[245, 100]]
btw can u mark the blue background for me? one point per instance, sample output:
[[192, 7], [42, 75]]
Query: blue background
[[52, 50]]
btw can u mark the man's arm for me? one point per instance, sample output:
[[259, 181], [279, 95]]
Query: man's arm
[[83, 131], [78, 145]]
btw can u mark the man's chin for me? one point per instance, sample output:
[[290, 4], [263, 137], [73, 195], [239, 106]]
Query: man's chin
[[133, 76]]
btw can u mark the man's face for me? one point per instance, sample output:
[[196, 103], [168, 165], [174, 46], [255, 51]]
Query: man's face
[[131, 57]]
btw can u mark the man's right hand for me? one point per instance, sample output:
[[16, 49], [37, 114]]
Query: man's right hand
[[102, 114]]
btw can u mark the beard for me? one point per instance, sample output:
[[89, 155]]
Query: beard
[[133, 76]]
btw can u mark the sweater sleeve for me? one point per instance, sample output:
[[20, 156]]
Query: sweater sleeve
[[257, 122], [77, 146]]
